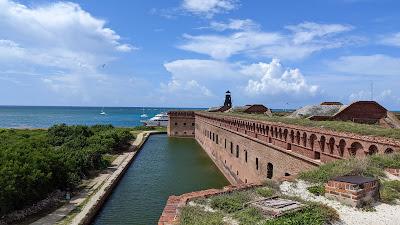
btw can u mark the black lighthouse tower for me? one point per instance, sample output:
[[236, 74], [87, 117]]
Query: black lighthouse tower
[[228, 100]]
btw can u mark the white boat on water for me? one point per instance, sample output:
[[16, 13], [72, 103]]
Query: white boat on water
[[159, 120], [102, 112], [144, 115]]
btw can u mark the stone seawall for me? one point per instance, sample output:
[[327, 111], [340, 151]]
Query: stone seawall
[[95, 203]]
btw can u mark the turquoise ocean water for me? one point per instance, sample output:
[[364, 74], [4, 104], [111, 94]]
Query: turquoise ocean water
[[46, 116]]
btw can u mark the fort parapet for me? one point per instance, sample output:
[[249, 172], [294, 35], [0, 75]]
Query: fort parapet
[[250, 150], [181, 123]]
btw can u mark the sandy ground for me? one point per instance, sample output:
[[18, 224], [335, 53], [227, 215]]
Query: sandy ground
[[384, 215]]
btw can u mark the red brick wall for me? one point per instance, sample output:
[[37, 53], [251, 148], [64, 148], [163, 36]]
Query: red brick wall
[[351, 194], [236, 169], [181, 124]]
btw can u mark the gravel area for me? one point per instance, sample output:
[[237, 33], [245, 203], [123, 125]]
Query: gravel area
[[384, 215]]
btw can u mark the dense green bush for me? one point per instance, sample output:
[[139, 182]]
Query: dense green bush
[[317, 190], [230, 202], [34, 163], [390, 191]]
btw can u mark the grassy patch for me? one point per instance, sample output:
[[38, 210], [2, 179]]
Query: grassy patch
[[248, 216], [386, 161], [317, 190], [109, 158], [353, 166], [230, 202], [193, 215], [390, 191], [313, 214], [340, 126], [265, 192]]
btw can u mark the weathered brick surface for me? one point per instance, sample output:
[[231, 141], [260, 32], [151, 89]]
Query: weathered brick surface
[[352, 194], [170, 214], [181, 124]]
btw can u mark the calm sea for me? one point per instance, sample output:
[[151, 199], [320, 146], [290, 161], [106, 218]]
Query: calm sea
[[46, 116]]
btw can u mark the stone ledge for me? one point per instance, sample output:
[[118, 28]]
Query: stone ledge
[[170, 214]]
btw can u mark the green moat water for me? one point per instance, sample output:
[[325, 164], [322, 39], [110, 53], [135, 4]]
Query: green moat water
[[165, 166]]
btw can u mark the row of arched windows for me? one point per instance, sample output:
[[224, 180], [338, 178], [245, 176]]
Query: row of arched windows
[[330, 145]]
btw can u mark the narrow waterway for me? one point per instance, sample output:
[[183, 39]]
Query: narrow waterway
[[165, 166]]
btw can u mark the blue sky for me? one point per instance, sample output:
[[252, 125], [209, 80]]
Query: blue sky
[[187, 53]]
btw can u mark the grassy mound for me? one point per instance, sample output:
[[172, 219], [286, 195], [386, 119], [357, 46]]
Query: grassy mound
[[370, 166]]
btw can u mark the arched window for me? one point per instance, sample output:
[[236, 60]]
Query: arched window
[[305, 139], [389, 151], [237, 151], [245, 155], [354, 148], [372, 150], [285, 134], [342, 146], [256, 163], [292, 136], [313, 137], [331, 145], [298, 137], [270, 170], [322, 143]]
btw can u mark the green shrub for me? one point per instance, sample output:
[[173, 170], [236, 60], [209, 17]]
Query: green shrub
[[314, 214], [317, 190], [248, 216], [192, 215], [34, 163], [390, 191], [230, 202], [265, 192], [386, 161], [353, 166]]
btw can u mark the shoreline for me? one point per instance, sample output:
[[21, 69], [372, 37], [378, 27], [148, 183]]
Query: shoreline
[[92, 203]]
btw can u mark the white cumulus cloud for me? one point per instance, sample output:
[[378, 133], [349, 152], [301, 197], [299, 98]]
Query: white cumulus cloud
[[303, 40], [59, 40], [212, 77], [274, 79], [208, 7]]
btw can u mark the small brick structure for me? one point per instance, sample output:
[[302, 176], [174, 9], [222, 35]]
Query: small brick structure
[[352, 190], [170, 214], [393, 171]]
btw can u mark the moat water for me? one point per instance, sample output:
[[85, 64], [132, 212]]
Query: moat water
[[165, 166]]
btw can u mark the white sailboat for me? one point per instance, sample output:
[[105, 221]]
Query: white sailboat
[[144, 115], [102, 112]]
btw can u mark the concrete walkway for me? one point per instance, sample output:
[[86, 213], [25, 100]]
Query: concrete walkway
[[97, 189]]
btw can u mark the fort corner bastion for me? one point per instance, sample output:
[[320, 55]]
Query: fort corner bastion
[[252, 151]]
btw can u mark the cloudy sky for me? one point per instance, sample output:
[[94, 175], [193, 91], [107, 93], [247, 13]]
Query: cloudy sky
[[187, 53]]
